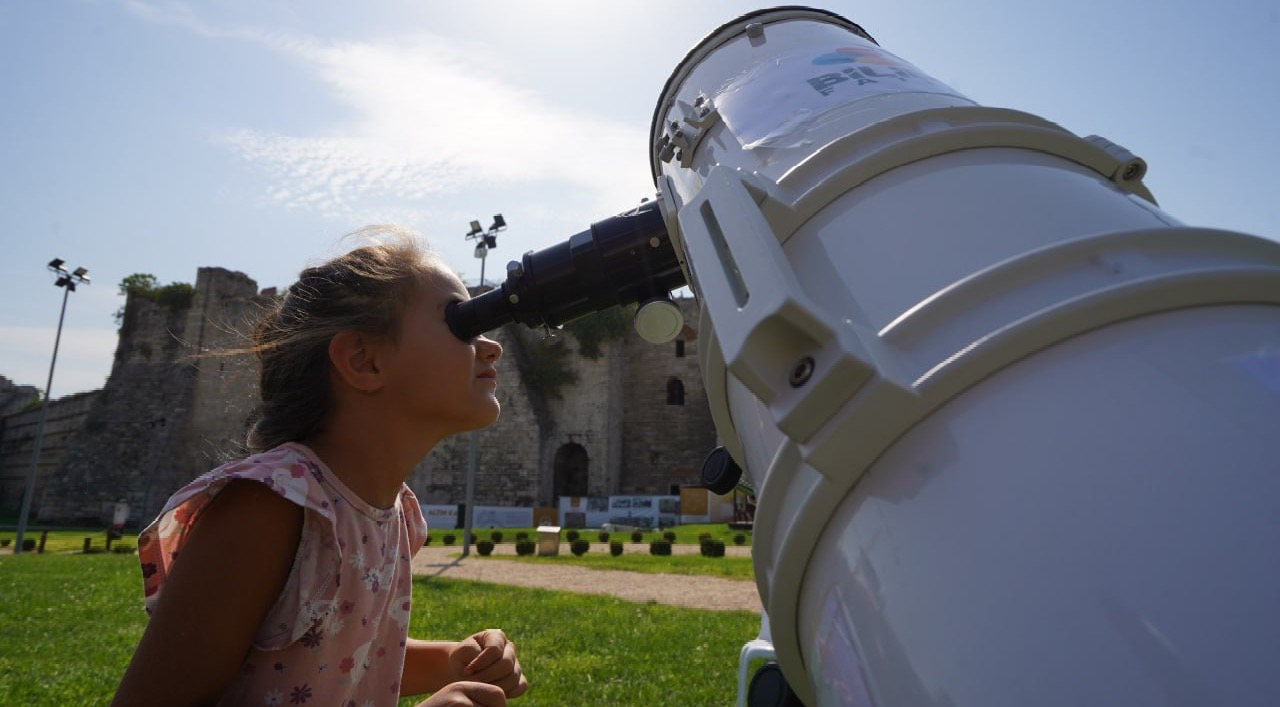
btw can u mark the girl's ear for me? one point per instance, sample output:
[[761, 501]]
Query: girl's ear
[[355, 359]]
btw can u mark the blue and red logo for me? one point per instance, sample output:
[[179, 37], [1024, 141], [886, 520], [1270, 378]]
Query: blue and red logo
[[853, 55]]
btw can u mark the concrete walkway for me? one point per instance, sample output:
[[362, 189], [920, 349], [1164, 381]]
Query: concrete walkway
[[692, 591]]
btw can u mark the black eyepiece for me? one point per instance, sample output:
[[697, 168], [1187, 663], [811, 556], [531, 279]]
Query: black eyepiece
[[620, 260]]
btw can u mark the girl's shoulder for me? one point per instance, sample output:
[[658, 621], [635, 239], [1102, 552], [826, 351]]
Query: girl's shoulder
[[289, 470]]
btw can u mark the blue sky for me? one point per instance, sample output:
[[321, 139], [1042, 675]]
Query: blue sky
[[160, 137]]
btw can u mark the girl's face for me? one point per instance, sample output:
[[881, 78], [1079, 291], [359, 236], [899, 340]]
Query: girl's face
[[448, 384]]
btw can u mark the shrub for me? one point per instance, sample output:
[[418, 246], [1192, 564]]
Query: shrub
[[580, 547], [704, 537], [496, 536], [713, 548], [604, 536], [660, 547], [28, 544], [526, 547], [572, 535], [670, 536], [522, 535], [484, 547], [615, 548], [4, 542], [637, 536], [428, 542], [739, 539], [450, 538]]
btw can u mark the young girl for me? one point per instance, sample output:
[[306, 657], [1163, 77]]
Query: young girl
[[284, 578]]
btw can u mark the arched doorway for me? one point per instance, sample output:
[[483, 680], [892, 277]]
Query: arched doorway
[[675, 392], [570, 468]]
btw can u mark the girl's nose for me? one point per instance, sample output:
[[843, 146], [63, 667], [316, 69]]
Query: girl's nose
[[488, 348]]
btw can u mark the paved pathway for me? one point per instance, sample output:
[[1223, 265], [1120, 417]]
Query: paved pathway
[[693, 591]]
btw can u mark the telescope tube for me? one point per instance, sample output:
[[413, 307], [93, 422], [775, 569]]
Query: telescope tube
[[1011, 425]]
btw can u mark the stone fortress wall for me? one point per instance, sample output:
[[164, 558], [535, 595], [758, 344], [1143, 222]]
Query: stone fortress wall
[[20, 412], [632, 419]]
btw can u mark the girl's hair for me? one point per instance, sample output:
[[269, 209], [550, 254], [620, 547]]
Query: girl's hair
[[364, 290]]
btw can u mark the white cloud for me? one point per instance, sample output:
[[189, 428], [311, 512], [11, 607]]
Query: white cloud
[[338, 177], [429, 120]]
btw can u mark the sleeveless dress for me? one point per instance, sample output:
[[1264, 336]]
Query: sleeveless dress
[[337, 633]]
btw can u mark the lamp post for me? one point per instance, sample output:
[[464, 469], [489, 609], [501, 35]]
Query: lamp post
[[484, 241], [67, 281]]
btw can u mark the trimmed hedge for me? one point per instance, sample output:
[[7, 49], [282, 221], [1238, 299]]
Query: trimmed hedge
[[712, 548]]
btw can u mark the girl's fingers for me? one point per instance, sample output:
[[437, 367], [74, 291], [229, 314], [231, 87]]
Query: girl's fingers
[[493, 644], [489, 658], [505, 673]]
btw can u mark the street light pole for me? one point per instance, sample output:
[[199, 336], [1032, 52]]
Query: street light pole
[[67, 281], [484, 241]]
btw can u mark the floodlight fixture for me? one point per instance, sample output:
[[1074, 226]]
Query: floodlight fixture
[[475, 229], [499, 223]]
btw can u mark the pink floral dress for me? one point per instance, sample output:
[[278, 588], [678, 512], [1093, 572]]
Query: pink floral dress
[[336, 635]]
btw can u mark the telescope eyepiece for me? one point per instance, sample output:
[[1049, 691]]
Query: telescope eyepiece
[[624, 259]]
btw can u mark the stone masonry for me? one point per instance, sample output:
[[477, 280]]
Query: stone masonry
[[64, 420], [182, 393]]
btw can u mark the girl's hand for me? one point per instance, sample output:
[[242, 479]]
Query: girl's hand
[[467, 694], [489, 657]]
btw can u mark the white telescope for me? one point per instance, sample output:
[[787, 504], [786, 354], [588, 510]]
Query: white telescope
[[1014, 430]]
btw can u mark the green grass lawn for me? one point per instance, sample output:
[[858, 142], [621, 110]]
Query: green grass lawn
[[72, 540], [70, 623], [581, 650]]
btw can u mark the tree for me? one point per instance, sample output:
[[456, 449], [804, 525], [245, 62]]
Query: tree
[[175, 295], [138, 284]]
